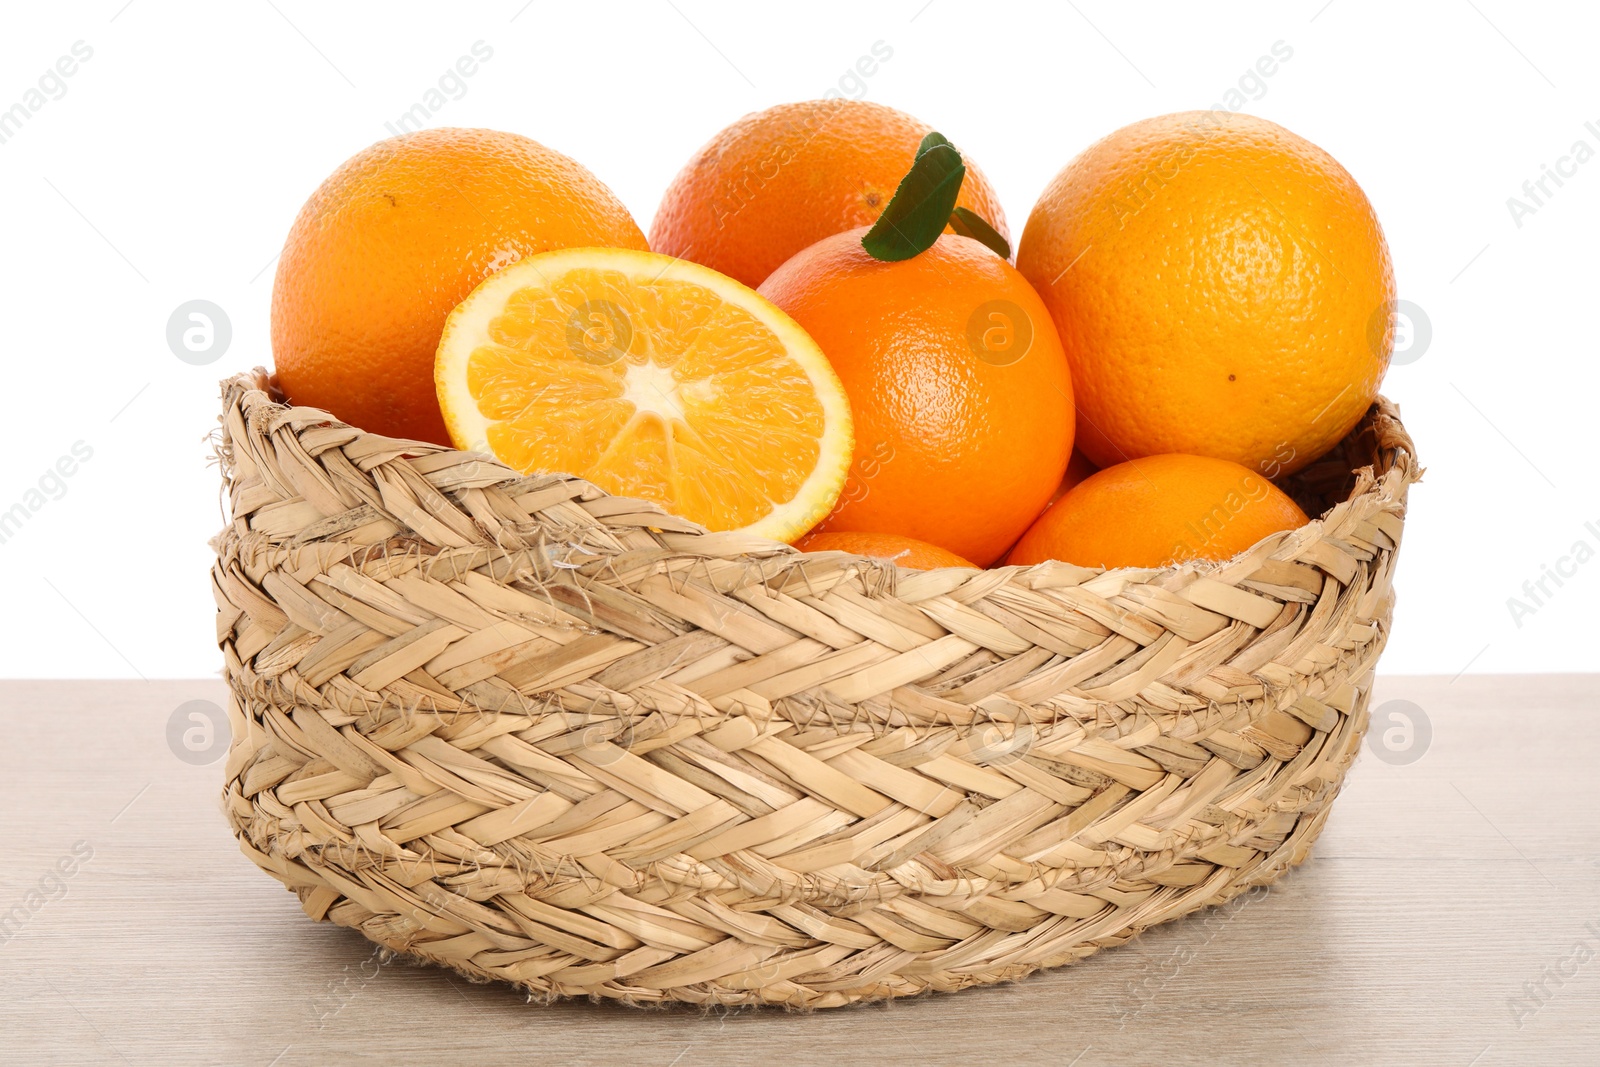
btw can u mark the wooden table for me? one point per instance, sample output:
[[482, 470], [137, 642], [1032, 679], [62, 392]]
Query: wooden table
[[1449, 915]]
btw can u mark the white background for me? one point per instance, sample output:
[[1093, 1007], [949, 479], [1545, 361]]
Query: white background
[[174, 162]]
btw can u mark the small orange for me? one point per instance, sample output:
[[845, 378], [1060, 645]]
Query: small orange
[[394, 240], [1222, 288], [1157, 510], [781, 179], [905, 551], [960, 392]]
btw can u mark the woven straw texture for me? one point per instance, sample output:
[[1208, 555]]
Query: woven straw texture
[[533, 732]]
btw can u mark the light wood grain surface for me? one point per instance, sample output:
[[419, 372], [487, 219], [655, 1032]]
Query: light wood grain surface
[[1449, 915]]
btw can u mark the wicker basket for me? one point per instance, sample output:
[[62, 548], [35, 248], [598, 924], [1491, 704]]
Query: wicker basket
[[537, 733]]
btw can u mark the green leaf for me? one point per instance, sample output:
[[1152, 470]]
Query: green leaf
[[971, 224], [921, 205], [933, 140]]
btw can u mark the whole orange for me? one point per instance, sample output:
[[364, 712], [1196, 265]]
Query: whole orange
[[1157, 510], [1222, 287], [781, 179], [905, 551], [958, 386], [394, 240]]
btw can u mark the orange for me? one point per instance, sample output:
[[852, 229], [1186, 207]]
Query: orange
[[961, 394], [782, 179], [1078, 468], [394, 240], [1221, 287], [905, 551], [653, 378], [1160, 509]]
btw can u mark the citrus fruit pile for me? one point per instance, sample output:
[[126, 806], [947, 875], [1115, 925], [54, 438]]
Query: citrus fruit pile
[[827, 341]]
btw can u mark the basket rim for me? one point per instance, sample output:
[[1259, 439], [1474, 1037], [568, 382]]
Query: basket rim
[[257, 395]]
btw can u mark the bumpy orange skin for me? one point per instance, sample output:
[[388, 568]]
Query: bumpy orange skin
[[394, 240], [955, 445], [780, 180], [1157, 510], [905, 551], [1221, 287]]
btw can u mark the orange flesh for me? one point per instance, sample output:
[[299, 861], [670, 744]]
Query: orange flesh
[[684, 398]]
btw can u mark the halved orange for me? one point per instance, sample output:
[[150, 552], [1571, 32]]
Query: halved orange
[[651, 377]]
